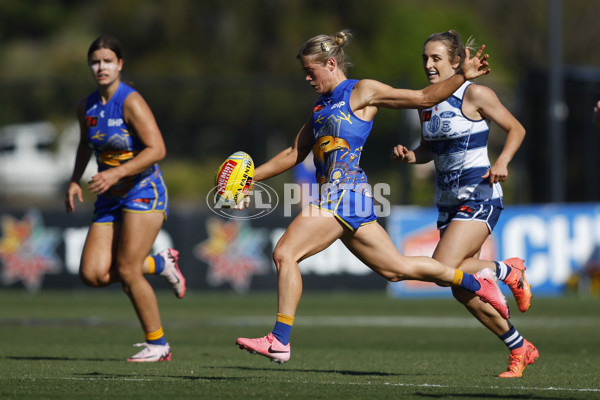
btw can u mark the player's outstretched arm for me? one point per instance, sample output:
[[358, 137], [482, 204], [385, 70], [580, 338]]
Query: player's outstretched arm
[[372, 93]]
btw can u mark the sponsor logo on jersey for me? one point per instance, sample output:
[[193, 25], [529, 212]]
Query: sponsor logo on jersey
[[447, 114], [426, 115], [115, 121], [338, 105], [318, 108]]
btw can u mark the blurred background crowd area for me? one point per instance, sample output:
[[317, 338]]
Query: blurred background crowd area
[[222, 76]]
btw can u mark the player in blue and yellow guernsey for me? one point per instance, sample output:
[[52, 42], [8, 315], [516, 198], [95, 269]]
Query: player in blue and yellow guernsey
[[132, 203], [336, 132], [468, 192]]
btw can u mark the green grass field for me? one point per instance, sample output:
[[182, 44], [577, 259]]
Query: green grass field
[[73, 345]]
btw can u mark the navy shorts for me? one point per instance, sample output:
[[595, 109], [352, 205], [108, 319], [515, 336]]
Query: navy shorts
[[484, 212]]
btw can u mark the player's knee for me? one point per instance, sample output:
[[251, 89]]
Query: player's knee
[[92, 279], [279, 257], [87, 280], [282, 257], [128, 274]]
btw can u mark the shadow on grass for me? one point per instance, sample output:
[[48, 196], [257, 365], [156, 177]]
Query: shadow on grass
[[323, 371], [238, 368], [137, 376], [47, 358]]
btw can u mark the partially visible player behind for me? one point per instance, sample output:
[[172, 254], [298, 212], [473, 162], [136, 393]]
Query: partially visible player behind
[[132, 204], [468, 193]]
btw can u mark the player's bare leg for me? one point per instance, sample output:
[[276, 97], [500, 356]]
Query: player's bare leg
[[460, 246], [312, 231], [97, 257]]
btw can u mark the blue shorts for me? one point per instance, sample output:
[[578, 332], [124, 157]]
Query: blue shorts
[[145, 193], [484, 212], [353, 209]]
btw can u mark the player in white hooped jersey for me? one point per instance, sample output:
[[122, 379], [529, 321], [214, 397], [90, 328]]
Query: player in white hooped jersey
[[458, 146], [468, 193]]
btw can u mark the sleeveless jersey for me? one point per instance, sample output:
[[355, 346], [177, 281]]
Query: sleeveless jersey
[[459, 147], [338, 139], [114, 143]]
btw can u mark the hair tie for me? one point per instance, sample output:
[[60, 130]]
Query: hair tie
[[324, 47]]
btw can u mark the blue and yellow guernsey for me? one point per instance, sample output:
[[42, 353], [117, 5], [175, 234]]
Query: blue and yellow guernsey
[[114, 143], [339, 137]]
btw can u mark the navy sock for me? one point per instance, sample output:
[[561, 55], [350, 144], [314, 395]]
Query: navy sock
[[512, 338], [160, 264], [162, 341], [502, 270], [470, 283], [282, 332]]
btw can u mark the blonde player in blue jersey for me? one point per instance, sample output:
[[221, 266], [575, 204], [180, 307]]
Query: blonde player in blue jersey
[[468, 192], [336, 131], [118, 127]]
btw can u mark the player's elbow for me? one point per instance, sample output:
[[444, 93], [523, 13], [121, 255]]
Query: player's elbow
[[160, 153], [519, 132]]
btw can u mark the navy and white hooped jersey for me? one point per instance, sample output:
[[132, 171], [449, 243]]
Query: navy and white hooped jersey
[[338, 139], [459, 147]]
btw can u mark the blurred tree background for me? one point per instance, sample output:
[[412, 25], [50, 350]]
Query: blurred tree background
[[222, 76]]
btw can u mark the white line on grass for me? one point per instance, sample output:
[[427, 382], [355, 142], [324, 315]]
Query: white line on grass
[[551, 388]]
